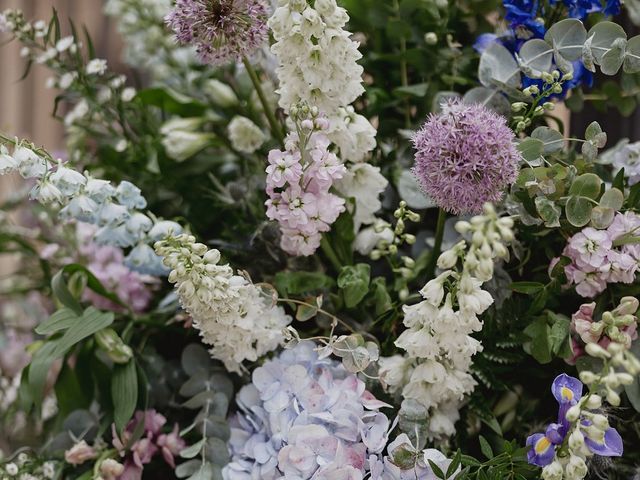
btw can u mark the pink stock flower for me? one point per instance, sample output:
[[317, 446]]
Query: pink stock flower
[[596, 260], [80, 453], [170, 445], [299, 186]]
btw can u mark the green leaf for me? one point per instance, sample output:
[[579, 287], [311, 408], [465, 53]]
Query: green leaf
[[604, 35], [92, 282], [306, 312], [531, 149], [567, 37], [59, 320], [613, 59], [354, 283], [490, 98], [62, 293], [124, 393], [382, 299], [602, 217], [578, 211], [296, 283], [540, 333], [418, 90], [485, 448], [39, 368], [193, 450], [92, 321], [612, 198], [594, 134], [632, 55], [171, 101], [548, 211], [586, 185], [527, 288], [498, 65], [535, 57], [559, 335], [437, 470], [552, 140]]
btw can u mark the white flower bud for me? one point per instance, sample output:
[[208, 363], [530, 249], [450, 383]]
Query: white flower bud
[[593, 402], [597, 351], [573, 414], [613, 398], [600, 421], [448, 259], [553, 471], [576, 440]]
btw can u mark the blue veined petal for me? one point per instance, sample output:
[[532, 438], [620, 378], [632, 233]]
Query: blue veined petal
[[612, 446], [566, 389], [143, 259], [542, 450], [483, 41]]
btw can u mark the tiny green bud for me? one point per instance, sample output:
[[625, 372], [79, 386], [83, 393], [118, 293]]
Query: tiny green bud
[[548, 105], [557, 88], [409, 239], [517, 106]]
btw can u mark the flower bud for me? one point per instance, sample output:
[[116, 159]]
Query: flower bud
[[430, 38], [576, 440], [597, 351], [613, 398], [220, 93], [573, 414], [448, 259], [593, 402]]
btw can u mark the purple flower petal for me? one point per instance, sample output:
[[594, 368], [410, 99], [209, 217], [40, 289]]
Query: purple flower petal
[[542, 450], [612, 446], [566, 389]]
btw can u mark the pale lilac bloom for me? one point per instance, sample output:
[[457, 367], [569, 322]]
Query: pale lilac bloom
[[304, 417], [465, 157], [171, 444], [589, 248], [299, 194]]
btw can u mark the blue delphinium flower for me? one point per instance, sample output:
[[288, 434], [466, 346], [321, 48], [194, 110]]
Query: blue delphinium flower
[[568, 392]]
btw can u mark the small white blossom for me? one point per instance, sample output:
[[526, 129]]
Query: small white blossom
[[245, 136], [97, 66]]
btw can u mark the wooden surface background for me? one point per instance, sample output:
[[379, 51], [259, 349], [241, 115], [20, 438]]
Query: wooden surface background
[[26, 105]]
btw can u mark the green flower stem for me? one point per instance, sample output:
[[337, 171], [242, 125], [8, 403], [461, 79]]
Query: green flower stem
[[271, 118], [331, 254], [437, 246]]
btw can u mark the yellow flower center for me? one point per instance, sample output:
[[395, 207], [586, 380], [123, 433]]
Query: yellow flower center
[[542, 445]]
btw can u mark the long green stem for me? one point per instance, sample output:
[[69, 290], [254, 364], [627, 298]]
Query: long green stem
[[271, 118], [437, 246], [331, 254]]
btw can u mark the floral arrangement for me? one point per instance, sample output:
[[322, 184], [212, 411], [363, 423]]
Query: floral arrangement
[[325, 240]]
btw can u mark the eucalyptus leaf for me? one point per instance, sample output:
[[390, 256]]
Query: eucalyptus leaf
[[586, 185], [551, 139], [531, 150], [410, 192], [497, 63], [193, 450], [612, 198], [567, 37], [578, 211], [535, 57], [602, 217], [632, 55], [548, 211], [613, 59], [490, 98], [603, 35]]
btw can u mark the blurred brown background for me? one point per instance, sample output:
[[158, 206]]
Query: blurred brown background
[[26, 105]]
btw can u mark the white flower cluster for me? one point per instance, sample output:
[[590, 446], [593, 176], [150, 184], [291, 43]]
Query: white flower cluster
[[237, 318], [114, 210], [318, 65], [148, 45], [435, 372]]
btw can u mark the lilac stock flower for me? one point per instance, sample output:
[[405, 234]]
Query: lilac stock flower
[[221, 30], [465, 157], [596, 260], [568, 391], [304, 417]]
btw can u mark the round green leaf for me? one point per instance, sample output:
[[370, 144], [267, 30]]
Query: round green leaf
[[497, 63], [604, 34], [578, 211], [613, 199], [586, 185], [567, 37], [535, 57], [632, 55]]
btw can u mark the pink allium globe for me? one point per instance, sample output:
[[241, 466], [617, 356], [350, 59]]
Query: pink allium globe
[[465, 157], [221, 30]]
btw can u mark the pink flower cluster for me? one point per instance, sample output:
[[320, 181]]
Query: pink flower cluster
[[585, 329], [299, 180], [597, 261], [107, 263], [151, 442]]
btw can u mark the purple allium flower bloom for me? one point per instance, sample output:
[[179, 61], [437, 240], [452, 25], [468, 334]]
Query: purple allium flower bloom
[[221, 30], [568, 391], [465, 157]]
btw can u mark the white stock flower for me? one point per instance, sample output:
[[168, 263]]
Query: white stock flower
[[97, 66], [364, 183]]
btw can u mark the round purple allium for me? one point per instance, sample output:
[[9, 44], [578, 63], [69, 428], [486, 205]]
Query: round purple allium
[[465, 157], [221, 30]]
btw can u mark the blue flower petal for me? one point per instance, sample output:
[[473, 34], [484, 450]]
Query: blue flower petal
[[612, 446], [542, 451], [566, 390]]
